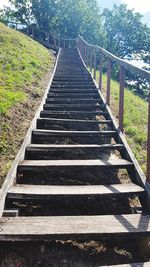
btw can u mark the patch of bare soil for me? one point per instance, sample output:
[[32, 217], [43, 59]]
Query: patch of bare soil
[[14, 125]]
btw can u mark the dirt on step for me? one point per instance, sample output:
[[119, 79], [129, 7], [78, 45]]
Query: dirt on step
[[70, 254]]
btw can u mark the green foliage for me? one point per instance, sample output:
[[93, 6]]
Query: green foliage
[[119, 30], [68, 17], [125, 33], [22, 64], [20, 10]]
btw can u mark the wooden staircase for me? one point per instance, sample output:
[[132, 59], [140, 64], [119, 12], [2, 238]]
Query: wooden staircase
[[77, 180]]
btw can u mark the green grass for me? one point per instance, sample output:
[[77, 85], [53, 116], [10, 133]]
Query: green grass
[[135, 119], [22, 63]]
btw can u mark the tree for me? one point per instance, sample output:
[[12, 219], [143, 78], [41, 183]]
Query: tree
[[66, 17], [126, 35], [44, 13], [19, 11]]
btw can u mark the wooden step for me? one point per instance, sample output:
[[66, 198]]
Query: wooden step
[[48, 164], [69, 151], [72, 86], [74, 227], [46, 192], [73, 114], [81, 101], [66, 124], [71, 79], [74, 107], [72, 95], [69, 172], [72, 91], [69, 137], [73, 83]]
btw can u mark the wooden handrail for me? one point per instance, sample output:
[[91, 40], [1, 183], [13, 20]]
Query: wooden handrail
[[123, 67], [128, 66]]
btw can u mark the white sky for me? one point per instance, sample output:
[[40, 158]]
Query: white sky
[[142, 6]]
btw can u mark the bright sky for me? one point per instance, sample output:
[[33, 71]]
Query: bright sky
[[142, 6]]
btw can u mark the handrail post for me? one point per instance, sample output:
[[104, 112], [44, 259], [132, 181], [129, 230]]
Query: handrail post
[[54, 41], [95, 54], [85, 55], [91, 56], [88, 63], [108, 82], [121, 97], [100, 72], [148, 142], [59, 41], [64, 43]]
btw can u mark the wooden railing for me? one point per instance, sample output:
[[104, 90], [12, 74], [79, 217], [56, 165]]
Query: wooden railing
[[94, 55], [50, 39]]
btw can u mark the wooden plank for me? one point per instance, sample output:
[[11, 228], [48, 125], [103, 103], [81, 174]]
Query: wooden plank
[[112, 162], [44, 191], [54, 100], [10, 213], [57, 146], [94, 113], [143, 73], [39, 151], [142, 264], [74, 227], [75, 121], [74, 133], [74, 107], [72, 91]]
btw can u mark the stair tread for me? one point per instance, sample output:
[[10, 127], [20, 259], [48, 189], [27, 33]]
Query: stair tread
[[76, 112], [65, 227], [72, 132], [141, 264], [47, 146], [98, 162], [73, 120], [38, 191]]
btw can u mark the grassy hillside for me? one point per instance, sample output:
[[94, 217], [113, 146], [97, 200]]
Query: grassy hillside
[[23, 66], [135, 119]]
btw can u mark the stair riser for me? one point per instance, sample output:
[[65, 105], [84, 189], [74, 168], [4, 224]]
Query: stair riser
[[71, 205], [80, 126], [65, 153], [71, 101], [73, 108], [68, 139], [72, 83], [66, 175], [76, 86], [72, 95], [70, 116]]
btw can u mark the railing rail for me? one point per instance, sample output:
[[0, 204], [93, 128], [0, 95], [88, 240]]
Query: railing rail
[[50, 39], [123, 66]]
